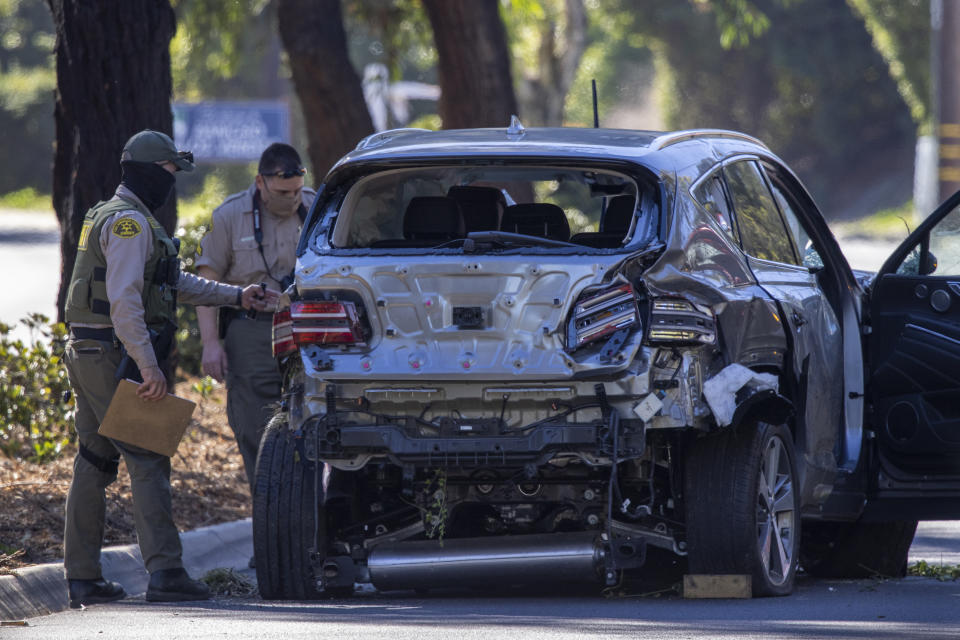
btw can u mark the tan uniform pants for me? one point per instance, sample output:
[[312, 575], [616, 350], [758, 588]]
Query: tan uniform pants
[[253, 385], [91, 365]]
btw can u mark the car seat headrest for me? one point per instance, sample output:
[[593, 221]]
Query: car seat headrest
[[541, 219], [432, 218], [619, 215], [481, 206]]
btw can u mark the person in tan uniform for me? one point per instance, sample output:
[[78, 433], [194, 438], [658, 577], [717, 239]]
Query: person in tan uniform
[[121, 313], [253, 238]]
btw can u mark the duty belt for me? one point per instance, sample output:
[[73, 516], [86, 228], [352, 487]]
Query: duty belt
[[104, 334]]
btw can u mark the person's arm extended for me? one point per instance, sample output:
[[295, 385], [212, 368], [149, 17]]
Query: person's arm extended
[[214, 359]]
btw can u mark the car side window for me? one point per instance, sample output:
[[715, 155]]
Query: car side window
[[712, 196], [802, 242], [942, 256], [762, 232]]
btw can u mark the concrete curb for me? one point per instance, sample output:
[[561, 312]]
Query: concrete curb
[[40, 590]]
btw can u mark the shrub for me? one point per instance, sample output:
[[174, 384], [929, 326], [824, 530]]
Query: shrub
[[36, 411], [189, 347]]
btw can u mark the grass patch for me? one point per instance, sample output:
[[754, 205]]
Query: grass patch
[[941, 572], [891, 224], [227, 582], [28, 199]]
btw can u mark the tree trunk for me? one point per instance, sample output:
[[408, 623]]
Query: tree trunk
[[113, 79], [543, 95], [326, 83], [474, 63]]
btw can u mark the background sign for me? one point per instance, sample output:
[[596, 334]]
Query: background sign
[[230, 131]]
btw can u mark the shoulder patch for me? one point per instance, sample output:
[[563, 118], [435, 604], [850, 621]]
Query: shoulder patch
[[84, 235], [126, 228]]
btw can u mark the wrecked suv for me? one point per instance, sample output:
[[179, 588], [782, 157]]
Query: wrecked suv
[[517, 356]]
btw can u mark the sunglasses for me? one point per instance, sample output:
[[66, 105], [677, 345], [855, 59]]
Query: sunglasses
[[287, 173], [185, 155]]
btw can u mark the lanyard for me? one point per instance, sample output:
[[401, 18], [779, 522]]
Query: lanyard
[[258, 230]]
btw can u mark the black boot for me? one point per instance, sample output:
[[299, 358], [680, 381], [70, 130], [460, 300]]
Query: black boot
[[174, 585], [93, 592]]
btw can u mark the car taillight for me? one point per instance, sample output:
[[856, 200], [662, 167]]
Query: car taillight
[[283, 334], [326, 323], [316, 323], [678, 320], [601, 314]]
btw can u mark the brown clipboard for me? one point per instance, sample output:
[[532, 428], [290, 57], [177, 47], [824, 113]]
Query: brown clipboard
[[156, 426]]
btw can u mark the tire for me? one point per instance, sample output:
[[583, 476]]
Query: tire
[[742, 506], [856, 549], [283, 518]]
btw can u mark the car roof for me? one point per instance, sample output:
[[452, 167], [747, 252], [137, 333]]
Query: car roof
[[554, 142]]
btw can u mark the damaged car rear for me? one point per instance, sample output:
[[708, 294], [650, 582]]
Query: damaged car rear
[[525, 356]]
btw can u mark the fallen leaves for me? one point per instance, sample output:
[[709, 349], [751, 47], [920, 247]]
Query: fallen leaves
[[208, 481]]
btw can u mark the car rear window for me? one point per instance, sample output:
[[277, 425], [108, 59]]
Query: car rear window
[[439, 205]]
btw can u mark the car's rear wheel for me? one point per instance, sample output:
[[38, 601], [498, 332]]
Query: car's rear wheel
[[284, 503], [856, 549], [742, 506]]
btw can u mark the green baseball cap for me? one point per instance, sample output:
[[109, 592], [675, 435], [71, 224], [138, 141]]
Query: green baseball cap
[[153, 146]]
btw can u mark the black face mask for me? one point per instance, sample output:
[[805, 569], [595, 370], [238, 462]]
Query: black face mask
[[149, 181]]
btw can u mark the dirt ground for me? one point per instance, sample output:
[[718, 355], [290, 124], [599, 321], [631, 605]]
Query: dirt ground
[[209, 487]]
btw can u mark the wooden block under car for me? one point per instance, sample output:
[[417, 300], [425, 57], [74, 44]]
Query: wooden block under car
[[703, 585]]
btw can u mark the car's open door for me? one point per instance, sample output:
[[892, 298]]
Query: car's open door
[[913, 367]]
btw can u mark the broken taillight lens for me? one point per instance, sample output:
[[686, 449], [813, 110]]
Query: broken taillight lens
[[598, 315], [320, 323], [679, 320]]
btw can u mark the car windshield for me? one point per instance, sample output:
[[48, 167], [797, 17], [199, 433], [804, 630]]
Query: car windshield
[[440, 207]]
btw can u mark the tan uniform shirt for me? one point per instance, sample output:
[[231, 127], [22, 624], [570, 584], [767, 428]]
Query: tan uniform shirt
[[230, 248], [126, 256]]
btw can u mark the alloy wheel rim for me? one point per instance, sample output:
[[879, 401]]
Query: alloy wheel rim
[[775, 512]]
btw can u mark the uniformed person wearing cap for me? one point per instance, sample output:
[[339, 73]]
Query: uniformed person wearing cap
[[253, 238], [121, 312]]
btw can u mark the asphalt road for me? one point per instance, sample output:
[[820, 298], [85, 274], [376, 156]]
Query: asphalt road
[[875, 609]]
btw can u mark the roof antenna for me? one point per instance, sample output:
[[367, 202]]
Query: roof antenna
[[596, 115]]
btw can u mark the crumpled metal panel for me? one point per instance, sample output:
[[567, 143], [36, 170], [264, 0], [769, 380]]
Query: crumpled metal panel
[[411, 305], [700, 264]]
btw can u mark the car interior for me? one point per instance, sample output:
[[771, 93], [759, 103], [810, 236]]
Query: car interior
[[435, 206]]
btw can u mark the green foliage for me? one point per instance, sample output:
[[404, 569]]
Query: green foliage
[[436, 513], [198, 209], [27, 198], [220, 48], [428, 121], [27, 81], [901, 33], [941, 572], [36, 416], [737, 20], [189, 346], [826, 108], [395, 33], [614, 54], [204, 386]]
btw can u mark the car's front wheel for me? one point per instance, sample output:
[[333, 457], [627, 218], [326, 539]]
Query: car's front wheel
[[742, 506]]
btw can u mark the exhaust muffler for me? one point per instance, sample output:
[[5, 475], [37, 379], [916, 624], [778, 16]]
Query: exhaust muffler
[[494, 561]]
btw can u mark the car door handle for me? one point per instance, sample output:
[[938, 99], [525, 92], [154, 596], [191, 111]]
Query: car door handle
[[798, 320]]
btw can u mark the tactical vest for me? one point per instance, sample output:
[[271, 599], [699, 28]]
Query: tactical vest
[[87, 297]]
